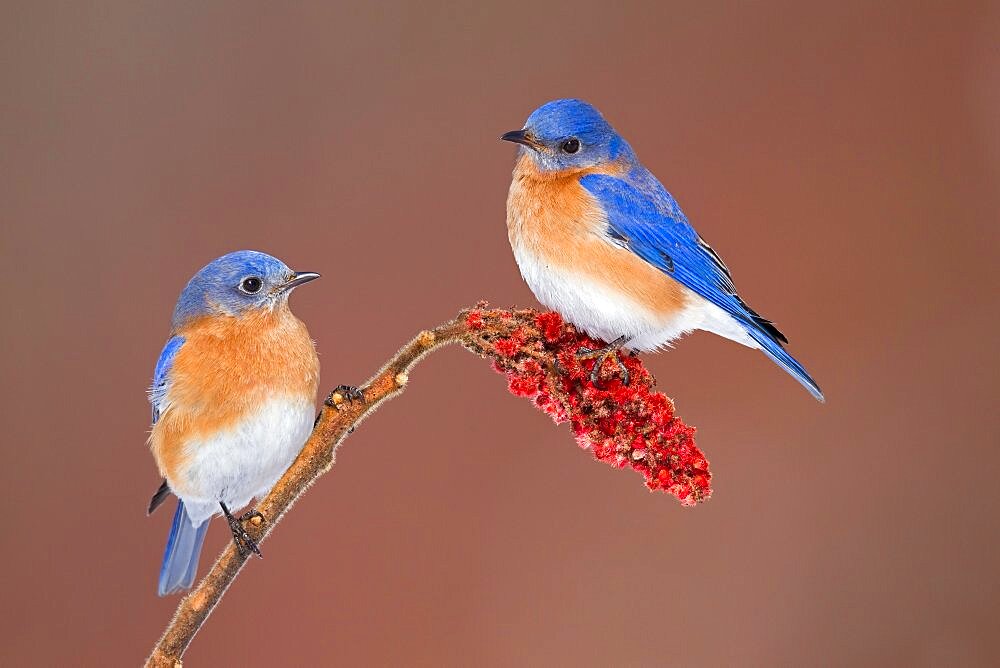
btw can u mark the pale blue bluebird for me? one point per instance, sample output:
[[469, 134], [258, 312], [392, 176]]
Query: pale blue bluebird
[[233, 399], [599, 239]]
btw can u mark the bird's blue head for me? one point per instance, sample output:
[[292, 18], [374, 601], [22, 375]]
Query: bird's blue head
[[236, 283], [569, 135]]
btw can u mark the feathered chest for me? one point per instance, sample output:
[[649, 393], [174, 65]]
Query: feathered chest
[[560, 237], [227, 371], [554, 219], [227, 365]]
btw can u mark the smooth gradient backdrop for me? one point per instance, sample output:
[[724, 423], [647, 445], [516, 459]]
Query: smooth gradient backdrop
[[843, 158]]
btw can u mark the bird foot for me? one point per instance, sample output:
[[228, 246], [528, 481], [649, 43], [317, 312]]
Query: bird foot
[[613, 349], [244, 543], [343, 393], [251, 514]]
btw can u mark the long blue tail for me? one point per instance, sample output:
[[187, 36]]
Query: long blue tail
[[774, 350], [180, 559]]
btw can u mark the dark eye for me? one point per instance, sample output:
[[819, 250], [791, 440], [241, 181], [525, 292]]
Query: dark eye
[[251, 285], [570, 146]]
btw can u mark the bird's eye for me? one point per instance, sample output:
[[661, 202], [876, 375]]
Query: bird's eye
[[251, 285], [570, 146]]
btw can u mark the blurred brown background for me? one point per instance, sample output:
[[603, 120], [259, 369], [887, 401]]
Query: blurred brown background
[[844, 160]]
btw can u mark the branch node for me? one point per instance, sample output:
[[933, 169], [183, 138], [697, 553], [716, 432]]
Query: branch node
[[401, 378], [426, 339]]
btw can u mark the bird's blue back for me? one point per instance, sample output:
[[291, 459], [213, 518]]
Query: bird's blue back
[[646, 219]]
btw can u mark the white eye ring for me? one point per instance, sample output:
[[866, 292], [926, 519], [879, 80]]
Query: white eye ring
[[251, 285]]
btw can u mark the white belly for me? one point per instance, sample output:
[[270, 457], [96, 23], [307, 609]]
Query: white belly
[[245, 461], [606, 313]]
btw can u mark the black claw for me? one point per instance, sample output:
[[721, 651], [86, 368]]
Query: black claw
[[623, 369], [351, 393], [595, 373], [244, 543], [348, 392], [602, 354], [250, 514]]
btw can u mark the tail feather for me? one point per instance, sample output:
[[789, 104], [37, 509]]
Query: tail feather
[[180, 559], [777, 353]]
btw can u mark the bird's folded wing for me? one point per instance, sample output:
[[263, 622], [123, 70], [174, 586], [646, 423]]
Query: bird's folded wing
[[161, 376], [643, 217]]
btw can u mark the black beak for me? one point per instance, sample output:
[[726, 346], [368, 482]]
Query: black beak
[[522, 137], [298, 278]]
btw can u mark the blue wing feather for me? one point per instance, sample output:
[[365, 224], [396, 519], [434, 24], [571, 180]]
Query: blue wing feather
[[180, 558], [158, 391], [645, 218]]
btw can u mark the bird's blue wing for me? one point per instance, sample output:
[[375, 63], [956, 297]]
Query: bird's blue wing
[[158, 391], [643, 217]]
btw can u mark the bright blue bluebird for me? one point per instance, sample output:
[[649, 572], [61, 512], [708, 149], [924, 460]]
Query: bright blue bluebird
[[599, 239], [233, 399]]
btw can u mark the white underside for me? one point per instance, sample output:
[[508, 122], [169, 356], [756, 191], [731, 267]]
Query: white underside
[[606, 313], [244, 462]]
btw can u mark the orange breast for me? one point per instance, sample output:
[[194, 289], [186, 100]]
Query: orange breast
[[225, 368], [557, 221]]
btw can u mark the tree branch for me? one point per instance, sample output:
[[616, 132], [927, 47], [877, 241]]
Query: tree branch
[[625, 424]]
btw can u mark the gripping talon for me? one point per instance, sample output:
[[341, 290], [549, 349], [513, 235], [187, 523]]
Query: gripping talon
[[347, 393], [250, 514], [601, 354], [244, 543], [623, 369]]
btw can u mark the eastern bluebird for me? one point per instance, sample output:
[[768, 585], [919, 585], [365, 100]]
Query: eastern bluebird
[[233, 399], [599, 239]]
